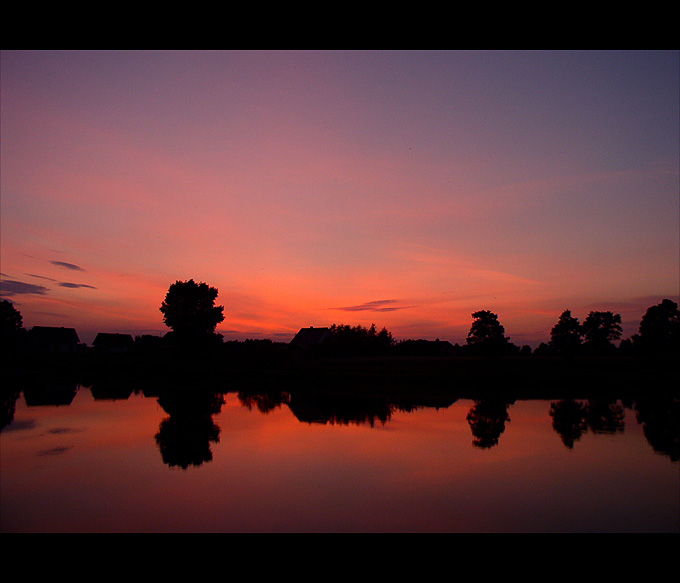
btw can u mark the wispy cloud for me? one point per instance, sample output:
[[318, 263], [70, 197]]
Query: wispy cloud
[[13, 287], [374, 306], [67, 265], [75, 285], [41, 277], [10, 288]]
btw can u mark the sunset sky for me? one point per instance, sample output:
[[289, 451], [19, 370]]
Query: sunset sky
[[402, 188]]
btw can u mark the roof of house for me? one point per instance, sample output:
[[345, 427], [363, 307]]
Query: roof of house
[[308, 337], [54, 335]]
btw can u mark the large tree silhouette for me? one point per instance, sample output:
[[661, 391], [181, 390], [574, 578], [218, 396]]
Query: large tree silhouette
[[600, 331], [11, 325], [565, 337], [10, 318], [487, 335], [189, 309], [659, 331]]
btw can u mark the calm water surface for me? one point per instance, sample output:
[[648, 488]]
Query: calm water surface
[[82, 459]]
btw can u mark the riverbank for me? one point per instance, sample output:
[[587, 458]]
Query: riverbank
[[455, 377]]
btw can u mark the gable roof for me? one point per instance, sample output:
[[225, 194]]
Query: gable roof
[[308, 337], [53, 335]]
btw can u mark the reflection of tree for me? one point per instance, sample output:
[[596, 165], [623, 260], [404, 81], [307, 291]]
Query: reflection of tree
[[9, 395], [264, 400], [339, 410], [487, 420], [184, 438], [568, 420], [660, 419], [604, 415]]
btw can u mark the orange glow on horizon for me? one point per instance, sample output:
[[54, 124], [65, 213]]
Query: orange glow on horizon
[[406, 189]]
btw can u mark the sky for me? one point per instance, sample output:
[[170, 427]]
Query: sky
[[405, 189]]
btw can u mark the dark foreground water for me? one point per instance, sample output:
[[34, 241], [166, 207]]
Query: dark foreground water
[[116, 459]]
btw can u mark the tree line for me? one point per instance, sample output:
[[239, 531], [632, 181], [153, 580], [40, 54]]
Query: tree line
[[190, 312]]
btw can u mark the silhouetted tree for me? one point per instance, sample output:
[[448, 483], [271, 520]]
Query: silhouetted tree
[[600, 331], [543, 349], [565, 337], [487, 335], [357, 341], [659, 331], [189, 309], [11, 325], [10, 318], [423, 348], [626, 348]]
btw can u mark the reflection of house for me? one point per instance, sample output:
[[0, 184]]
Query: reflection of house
[[52, 339], [111, 391], [113, 343], [308, 338], [51, 392]]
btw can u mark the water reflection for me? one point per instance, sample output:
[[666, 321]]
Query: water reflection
[[263, 400], [339, 410], [660, 420], [605, 415], [487, 419], [9, 394], [571, 418], [185, 437], [111, 391], [336, 407], [50, 392]]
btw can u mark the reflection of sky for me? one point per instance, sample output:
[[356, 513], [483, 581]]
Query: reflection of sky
[[419, 472], [299, 183]]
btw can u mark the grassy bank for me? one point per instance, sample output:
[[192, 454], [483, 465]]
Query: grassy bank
[[456, 377]]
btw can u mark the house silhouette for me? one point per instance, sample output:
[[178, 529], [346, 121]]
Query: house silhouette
[[309, 338], [53, 339]]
